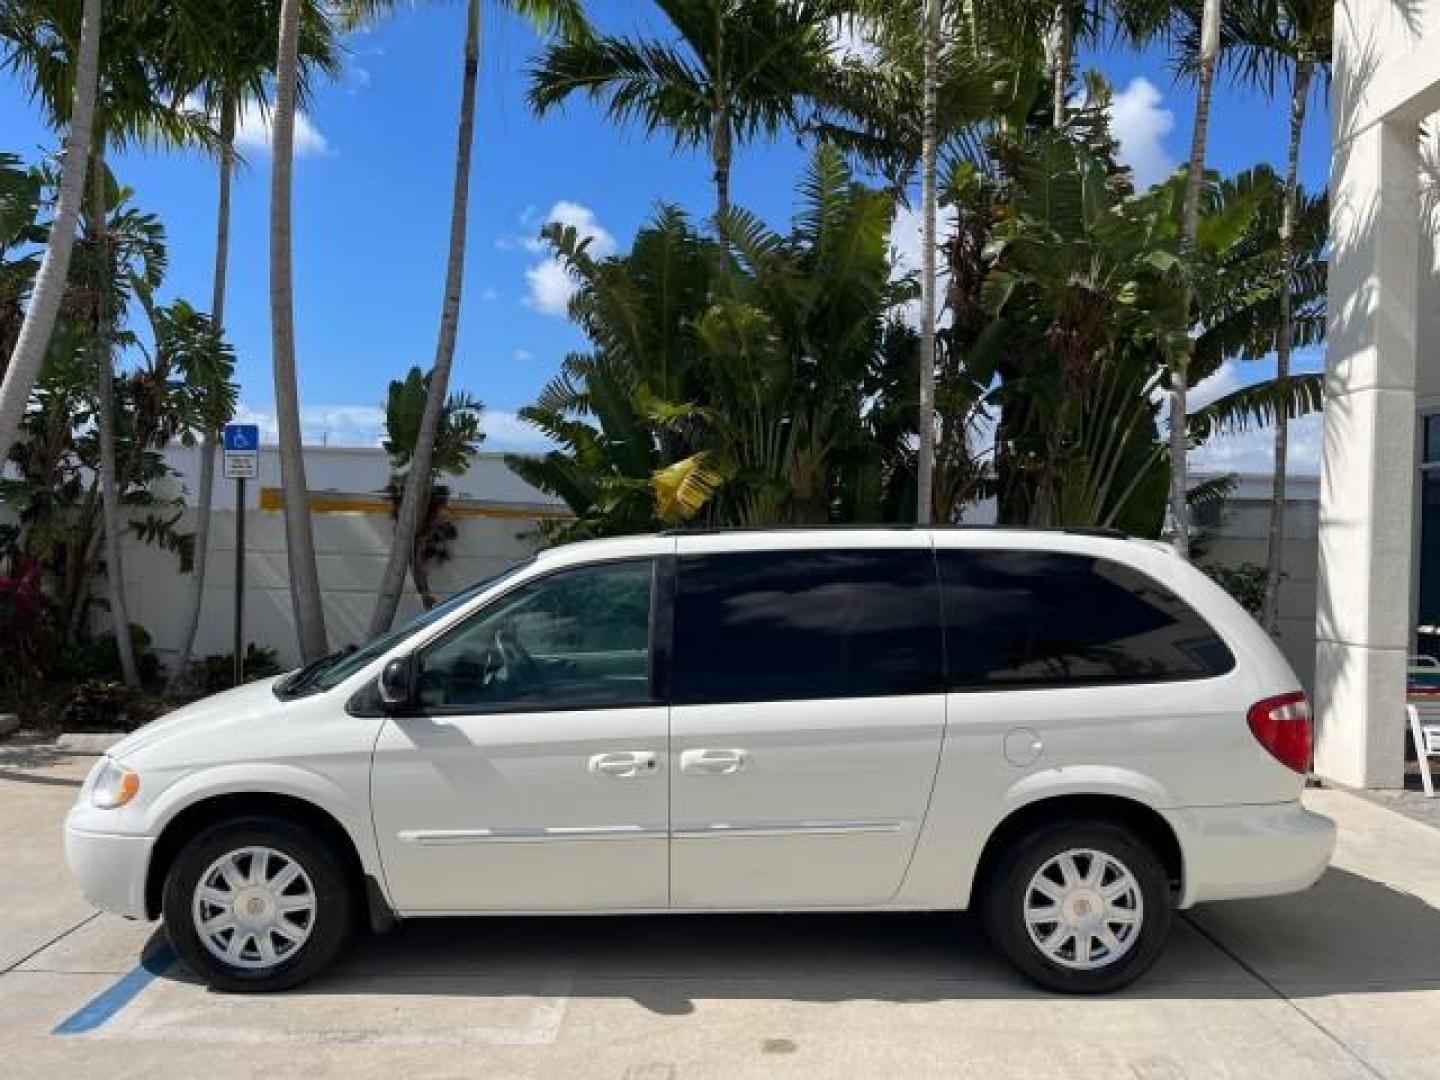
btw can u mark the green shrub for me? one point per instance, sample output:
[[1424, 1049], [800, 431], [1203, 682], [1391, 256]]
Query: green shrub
[[1245, 582], [211, 674], [97, 705]]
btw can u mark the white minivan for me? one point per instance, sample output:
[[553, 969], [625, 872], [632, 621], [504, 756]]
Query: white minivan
[[1073, 733]]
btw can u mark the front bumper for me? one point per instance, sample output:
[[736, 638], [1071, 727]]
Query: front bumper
[[110, 868], [1232, 852]]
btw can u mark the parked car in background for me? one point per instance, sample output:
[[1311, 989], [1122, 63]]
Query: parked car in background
[[1074, 733]]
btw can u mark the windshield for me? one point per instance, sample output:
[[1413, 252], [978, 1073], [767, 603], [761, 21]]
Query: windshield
[[334, 669]]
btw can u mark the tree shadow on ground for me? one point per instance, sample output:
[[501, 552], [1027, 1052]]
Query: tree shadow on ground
[[1349, 934], [21, 753]]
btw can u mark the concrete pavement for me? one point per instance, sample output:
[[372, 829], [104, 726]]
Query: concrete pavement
[[1343, 981]]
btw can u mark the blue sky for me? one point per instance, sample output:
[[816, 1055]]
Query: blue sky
[[372, 210]]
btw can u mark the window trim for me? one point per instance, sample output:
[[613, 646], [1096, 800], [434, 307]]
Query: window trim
[[521, 708], [953, 686]]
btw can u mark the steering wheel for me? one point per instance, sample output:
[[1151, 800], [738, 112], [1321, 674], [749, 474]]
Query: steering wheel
[[518, 663]]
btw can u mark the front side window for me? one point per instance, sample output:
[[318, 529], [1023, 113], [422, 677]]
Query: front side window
[[796, 625], [1042, 619], [334, 669], [578, 638]]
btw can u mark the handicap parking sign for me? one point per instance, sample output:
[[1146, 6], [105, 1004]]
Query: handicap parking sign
[[242, 437], [242, 451]]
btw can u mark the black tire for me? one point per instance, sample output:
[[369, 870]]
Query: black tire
[[335, 911], [1005, 891]]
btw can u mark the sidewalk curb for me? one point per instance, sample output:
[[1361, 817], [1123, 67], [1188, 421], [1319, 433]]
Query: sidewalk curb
[[98, 742]]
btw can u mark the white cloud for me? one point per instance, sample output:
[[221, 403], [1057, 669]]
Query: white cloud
[[330, 425], [853, 41], [252, 134], [907, 249], [583, 220], [524, 356], [1254, 451], [506, 431], [1139, 121], [1225, 380], [364, 425], [549, 286], [489, 296]]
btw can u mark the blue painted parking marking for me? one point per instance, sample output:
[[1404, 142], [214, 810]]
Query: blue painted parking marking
[[104, 1005]]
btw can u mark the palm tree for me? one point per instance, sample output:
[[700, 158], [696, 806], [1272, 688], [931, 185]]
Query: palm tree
[[104, 367], [546, 15], [132, 102], [1264, 39], [925, 466], [228, 51], [299, 535], [739, 69], [1054, 29], [1206, 53], [456, 443], [737, 387], [870, 109], [20, 30]]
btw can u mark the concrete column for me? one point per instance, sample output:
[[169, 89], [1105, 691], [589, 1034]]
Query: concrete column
[[1363, 631]]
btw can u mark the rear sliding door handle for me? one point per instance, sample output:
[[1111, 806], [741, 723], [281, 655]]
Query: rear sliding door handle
[[626, 765], [712, 762]]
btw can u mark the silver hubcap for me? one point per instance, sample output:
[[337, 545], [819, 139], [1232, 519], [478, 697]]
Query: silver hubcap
[[1084, 909], [254, 907]]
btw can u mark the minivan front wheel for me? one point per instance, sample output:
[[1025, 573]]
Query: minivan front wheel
[[1081, 908], [257, 904]]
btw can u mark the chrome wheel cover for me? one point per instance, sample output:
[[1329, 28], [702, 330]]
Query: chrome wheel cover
[[254, 908], [1084, 909]]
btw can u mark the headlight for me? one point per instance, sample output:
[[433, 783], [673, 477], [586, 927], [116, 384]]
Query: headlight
[[114, 786]]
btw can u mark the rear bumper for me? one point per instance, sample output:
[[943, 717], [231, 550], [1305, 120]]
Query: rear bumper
[[110, 868], [1233, 852]]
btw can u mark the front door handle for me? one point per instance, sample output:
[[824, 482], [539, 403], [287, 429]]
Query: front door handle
[[626, 765], [713, 762]]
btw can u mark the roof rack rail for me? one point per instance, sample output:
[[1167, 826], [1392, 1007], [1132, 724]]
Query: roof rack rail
[[1074, 530]]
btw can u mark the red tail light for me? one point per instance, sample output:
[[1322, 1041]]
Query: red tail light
[[1282, 725]]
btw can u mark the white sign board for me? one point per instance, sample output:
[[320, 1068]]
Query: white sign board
[[242, 451]]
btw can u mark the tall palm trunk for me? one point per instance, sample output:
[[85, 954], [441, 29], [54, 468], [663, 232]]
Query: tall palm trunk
[[1180, 366], [925, 465], [1062, 61], [208, 445], [299, 536], [418, 480], [34, 340], [103, 360], [721, 154], [1275, 548], [722, 131]]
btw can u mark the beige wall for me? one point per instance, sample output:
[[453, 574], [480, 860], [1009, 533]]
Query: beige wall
[[351, 549], [1242, 539]]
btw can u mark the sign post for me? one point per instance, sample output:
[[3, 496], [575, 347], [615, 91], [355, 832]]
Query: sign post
[[242, 462]]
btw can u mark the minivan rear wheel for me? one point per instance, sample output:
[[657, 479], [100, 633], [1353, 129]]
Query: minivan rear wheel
[[257, 903], [1079, 908]]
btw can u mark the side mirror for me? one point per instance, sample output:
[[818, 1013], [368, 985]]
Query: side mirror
[[397, 683]]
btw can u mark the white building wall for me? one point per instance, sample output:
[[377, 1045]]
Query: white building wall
[[351, 549], [496, 514], [1241, 537], [1386, 83]]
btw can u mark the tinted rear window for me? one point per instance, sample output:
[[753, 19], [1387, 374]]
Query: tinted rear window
[[793, 625], [1043, 619]]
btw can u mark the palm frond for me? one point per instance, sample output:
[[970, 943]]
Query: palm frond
[[1259, 405]]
